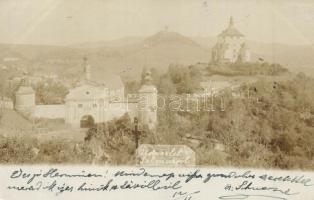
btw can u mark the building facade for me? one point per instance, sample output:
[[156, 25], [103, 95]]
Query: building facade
[[230, 46], [90, 102]]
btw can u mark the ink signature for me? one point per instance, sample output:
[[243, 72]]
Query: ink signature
[[183, 195], [245, 196]]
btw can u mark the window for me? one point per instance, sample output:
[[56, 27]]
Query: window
[[80, 105], [87, 92], [94, 105]]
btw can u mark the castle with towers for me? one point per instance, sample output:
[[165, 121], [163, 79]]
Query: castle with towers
[[230, 46], [90, 102]]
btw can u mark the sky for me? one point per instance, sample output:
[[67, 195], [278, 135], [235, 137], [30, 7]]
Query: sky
[[65, 22]]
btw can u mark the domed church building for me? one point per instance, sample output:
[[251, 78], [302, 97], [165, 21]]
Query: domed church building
[[230, 46]]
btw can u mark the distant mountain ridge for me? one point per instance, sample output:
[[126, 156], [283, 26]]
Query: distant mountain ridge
[[169, 37], [129, 55], [109, 43], [158, 51]]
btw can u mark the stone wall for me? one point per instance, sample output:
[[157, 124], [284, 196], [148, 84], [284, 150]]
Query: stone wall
[[50, 111], [6, 104], [116, 110]]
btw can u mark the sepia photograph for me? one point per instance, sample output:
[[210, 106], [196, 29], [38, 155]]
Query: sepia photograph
[[208, 83]]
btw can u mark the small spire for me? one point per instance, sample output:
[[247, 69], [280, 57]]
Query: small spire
[[87, 69], [231, 22]]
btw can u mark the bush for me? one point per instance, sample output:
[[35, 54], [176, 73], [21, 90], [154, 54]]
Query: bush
[[28, 150], [236, 69]]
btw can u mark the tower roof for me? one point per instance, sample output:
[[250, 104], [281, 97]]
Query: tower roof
[[25, 90], [231, 30], [147, 77], [25, 87]]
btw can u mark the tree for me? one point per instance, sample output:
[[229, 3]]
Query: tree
[[166, 86], [50, 92], [113, 142], [132, 87], [185, 78]]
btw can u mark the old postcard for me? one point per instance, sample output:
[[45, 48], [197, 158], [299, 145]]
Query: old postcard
[[144, 99]]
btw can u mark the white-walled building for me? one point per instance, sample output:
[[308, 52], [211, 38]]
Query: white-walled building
[[90, 102], [230, 46]]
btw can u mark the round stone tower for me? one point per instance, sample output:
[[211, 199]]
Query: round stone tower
[[147, 105], [25, 100]]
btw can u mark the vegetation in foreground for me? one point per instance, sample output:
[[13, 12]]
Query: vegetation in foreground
[[271, 128]]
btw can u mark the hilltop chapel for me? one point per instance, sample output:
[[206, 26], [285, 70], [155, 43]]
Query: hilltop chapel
[[230, 46]]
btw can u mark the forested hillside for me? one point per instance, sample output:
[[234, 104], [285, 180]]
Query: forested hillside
[[269, 124]]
